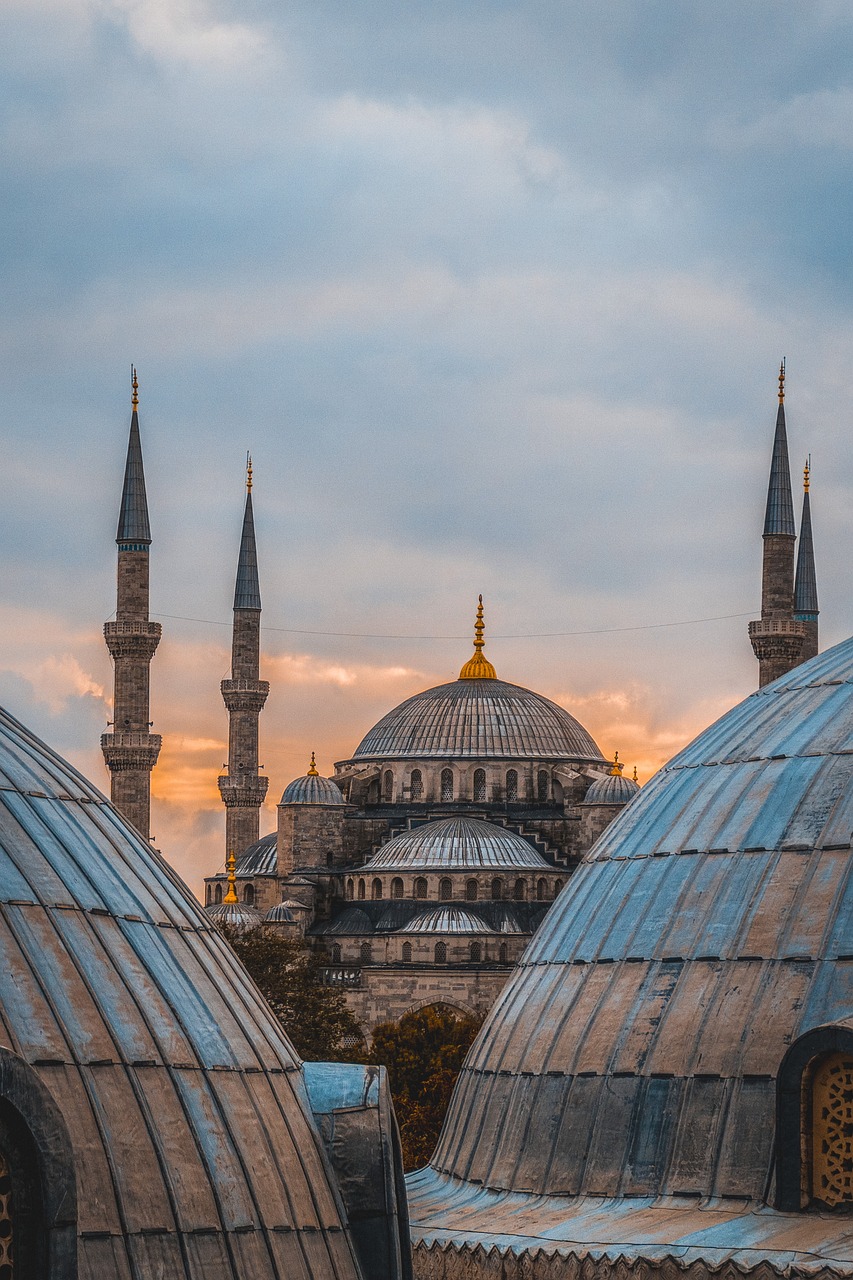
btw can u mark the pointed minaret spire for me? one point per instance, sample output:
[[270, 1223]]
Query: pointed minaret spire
[[478, 666], [131, 750], [805, 582], [779, 513], [242, 788]]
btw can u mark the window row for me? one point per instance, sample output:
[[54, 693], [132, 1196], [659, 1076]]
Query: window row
[[500, 889], [476, 953], [413, 787], [214, 894]]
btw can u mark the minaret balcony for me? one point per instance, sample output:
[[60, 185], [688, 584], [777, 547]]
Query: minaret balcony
[[242, 793], [777, 638], [245, 695], [137, 639], [130, 750]]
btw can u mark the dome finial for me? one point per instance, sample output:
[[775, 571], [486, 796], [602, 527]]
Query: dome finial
[[312, 768], [478, 666], [636, 779], [248, 473], [782, 381], [616, 768], [231, 895], [134, 394], [807, 471]]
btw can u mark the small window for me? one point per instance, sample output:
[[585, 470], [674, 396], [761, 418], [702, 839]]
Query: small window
[[365, 953], [471, 891], [421, 887], [543, 788], [476, 952], [249, 895], [445, 889], [376, 889], [217, 893], [336, 953], [417, 785], [480, 785], [502, 953], [512, 785], [441, 953], [362, 890], [396, 887], [446, 785], [558, 884], [497, 889], [350, 888], [519, 891], [407, 953], [388, 786]]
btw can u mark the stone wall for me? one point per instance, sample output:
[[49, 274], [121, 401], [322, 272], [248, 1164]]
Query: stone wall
[[387, 992]]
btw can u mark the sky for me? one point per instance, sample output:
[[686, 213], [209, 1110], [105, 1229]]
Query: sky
[[494, 293]]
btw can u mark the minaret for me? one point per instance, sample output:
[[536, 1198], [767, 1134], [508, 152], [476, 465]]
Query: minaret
[[778, 638], [131, 750], [805, 581], [242, 789]]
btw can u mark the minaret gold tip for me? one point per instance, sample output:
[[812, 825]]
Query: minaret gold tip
[[134, 382], [636, 779], [807, 471], [312, 768], [248, 473], [616, 768], [231, 895], [782, 381]]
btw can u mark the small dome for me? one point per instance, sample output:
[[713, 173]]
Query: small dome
[[260, 858], [351, 920], [446, 920], [457, 844], [312, 789], [614, 789], [236, 915], [280, 914]]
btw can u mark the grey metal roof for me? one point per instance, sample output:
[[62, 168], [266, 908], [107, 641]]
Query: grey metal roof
[[133, 523], [351, 920], [195, 1151], [478, 719], [779, 514], [247, 590], [236, 915], [445, 919], [614, 789], [311, 789], [261, 858], [279, 914], [805, 581], [457, 844], [709, 928]]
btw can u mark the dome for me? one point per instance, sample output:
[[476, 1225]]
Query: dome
[[446, 920], [478, 719], [614, 789], [697, 961], [235, 915], [261, 858], [457, 844], [143, 1059], [280, 914], [351, 920], [312, 789]]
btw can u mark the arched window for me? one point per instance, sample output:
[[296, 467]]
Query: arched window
[[480, 785], [421, 887], [542, 786], [471, 891], [396, 887], [502, 953], [416, 791], [249, 895], [388, 786], [512, 785], [407, 953], [350, 888], [814, 1114], [441, 953], [446, 784], [519, 891], [362, 890], [365, 953], [217, 893], [376, 889], [336, 953], [476, 952], [497, 889], [541, 890], [558, 884], [445, 889]]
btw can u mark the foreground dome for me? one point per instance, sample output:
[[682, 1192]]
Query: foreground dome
[[678, 1036], [457, 844]]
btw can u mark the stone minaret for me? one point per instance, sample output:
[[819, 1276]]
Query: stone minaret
[[778, 638], [805, 581], [131, 750], [242, 788]]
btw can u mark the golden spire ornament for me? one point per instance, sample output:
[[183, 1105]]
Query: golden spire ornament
[[478, 666], [248, 473], [312, 768], [636, 779], [782, 381], [231, 863], [134, 383], [807, 471], [616, 768]]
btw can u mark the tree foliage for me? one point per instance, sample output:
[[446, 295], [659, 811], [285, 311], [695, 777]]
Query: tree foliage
[[423, 1052], [315, 1016]]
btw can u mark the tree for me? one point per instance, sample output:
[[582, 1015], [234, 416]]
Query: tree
[[315, 1016], [424, 1053]]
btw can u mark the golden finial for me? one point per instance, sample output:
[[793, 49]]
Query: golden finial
[[231, 895], [134, 382], [636, 779], [478, 666], [312, 768], [807, 470], [248, 473], [616, 768], [782, 381]]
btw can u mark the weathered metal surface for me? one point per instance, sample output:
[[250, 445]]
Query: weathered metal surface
[[634, 1052], [311, 789], [480, 719], [456, 844], [445, 920]]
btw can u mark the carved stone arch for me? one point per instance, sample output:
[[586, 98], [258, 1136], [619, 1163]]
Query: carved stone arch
[[37, 1147], [455, 1006], [794, 1111]]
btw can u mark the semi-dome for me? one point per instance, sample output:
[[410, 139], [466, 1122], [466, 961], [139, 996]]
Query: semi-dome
[[612, 789], [160, 1111], [280, 914], [311, 788], [445, 919], [260, 859], [663, 1038], [457, 844], [235, 915]]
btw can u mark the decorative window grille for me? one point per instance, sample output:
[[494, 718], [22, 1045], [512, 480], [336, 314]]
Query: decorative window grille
[[366, 953], [480, 785], [497, 889], [519, 891], [441, 953], [446, 784], [362, 891], [541, 890], [512, 785], [388, 786], [417, 785], [421, 887], [407, 953], [396, 887], [832, 1131], [445, 889], [542, 785], [471, 891], [476, 952], [376, 889]]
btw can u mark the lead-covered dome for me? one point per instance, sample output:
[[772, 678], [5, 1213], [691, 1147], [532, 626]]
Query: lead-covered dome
[[656, 1041], [457, 844], [311, 788]]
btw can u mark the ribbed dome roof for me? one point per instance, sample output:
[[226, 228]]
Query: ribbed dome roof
[[614, 789], [445, 919], [478, 719], [261, 858], [181, 1094], [279, 914], [457, 844], [709, 928], [236, 915], [311, 789]]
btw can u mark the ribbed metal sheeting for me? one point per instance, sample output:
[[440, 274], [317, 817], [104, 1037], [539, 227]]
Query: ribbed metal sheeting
[[457, 844], [446, 920], [312, 789], [614, 789], [635, 1050], [478, 719], [195, 1158], [261, 858]]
